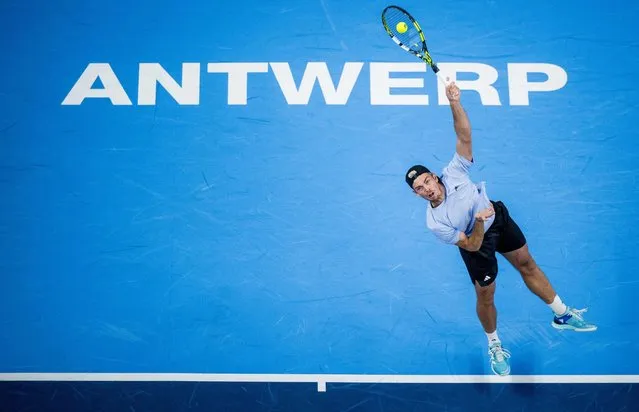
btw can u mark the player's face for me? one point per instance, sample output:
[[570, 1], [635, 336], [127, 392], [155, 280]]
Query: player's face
[[427, 187]]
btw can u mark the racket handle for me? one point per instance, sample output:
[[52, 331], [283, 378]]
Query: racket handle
[[441, 77]]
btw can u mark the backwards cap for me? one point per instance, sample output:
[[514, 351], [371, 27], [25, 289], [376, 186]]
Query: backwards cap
[[413, 172]]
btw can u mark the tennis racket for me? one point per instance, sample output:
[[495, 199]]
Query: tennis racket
[[407, 33]]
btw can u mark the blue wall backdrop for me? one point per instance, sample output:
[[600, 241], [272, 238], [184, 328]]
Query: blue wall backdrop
[[211, 224]]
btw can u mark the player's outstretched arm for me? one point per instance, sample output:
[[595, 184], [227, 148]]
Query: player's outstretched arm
[[461, 122]]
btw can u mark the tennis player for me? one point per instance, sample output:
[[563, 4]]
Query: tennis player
[[459, 212]]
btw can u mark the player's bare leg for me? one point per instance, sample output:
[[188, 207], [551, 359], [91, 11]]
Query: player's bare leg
[[487, 314], [486, 310], [538, 283], [532, 275]]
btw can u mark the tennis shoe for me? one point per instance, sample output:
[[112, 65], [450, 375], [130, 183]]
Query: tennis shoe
[[499, 359]]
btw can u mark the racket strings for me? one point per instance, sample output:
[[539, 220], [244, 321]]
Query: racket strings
[[411, 37]]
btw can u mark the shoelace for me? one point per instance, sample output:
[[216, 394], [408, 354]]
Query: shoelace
[[498, 353], [577, 315]]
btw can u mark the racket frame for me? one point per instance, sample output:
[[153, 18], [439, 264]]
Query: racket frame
[[424, 53]]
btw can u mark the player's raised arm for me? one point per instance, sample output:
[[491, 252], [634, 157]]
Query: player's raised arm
[[461, 122]]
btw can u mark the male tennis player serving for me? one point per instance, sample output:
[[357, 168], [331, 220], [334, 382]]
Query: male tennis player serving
[[460, 213]]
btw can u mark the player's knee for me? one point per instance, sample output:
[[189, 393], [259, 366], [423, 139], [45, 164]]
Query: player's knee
[[527, 266], [485, 301], [486, 295]]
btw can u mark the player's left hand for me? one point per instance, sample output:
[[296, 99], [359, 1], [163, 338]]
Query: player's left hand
[[452, 92], [485, 214]]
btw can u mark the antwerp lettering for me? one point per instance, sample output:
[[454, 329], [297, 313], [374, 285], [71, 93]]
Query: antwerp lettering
[[387, 83]]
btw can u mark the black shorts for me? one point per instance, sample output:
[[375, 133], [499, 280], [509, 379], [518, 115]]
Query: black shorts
[[503, 236]]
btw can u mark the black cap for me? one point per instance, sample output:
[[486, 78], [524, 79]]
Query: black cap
[[413, 172]]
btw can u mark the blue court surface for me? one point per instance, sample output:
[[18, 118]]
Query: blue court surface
[[203, 205]]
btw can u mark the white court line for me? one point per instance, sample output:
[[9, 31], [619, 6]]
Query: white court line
[[320, 379]]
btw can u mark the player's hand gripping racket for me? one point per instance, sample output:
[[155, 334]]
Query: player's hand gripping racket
[[406, 32]]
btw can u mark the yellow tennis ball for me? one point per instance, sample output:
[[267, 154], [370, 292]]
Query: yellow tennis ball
[[402, 27]]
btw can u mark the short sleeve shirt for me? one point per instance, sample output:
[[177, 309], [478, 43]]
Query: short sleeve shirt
[[456, 214]]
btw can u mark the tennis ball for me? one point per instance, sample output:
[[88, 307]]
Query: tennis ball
[[402, 27]]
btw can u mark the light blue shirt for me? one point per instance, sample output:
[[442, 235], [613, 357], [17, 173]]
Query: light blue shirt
[[456, 214]]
